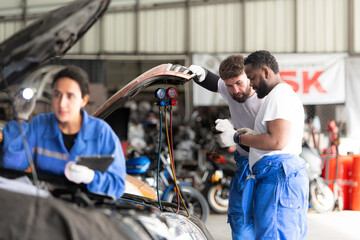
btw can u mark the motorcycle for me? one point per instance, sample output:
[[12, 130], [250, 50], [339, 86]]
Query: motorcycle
[[212, 173], [219, 173], [322, 198], [320, 195], [145, 168]]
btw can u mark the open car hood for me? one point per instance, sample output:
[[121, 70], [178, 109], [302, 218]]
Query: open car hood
[[51, 36], [162, 74]]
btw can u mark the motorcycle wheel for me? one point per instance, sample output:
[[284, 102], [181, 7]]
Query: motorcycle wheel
[[339, 202], [194, 200], [321, 196], [339, 205], [218, 198]]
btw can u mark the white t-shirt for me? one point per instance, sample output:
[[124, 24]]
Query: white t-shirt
[[281, 103], [242, 114]]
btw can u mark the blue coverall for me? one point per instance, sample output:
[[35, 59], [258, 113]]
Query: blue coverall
[[278, 199], [240, 229], [50, 154]]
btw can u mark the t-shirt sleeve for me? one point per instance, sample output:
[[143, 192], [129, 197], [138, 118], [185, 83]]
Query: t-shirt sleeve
[[280, 106]]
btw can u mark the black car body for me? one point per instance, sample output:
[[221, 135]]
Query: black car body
[[57, 208]]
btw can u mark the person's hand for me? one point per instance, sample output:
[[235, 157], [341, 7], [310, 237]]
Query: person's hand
[[23, 107], [78, 174], [226, 137], [199, 71], [245, 131]]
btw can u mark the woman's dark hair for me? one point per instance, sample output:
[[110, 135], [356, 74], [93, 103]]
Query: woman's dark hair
[[262, 58], [75, 73]]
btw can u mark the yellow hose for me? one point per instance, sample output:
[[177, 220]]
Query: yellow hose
[[172, 166]]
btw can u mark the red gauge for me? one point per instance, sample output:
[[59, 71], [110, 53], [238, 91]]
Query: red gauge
[[172, 92], [173, 102]]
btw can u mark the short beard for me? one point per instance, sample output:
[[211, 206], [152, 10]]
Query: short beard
[[262, 90], [244, 96]]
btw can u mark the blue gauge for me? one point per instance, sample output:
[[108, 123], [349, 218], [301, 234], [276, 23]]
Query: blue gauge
[[160, 93], [163, 103]]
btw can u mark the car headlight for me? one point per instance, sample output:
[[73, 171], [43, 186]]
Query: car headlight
[[155, 227], [182, 227]]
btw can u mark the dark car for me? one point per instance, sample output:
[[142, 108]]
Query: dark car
[[43, 206]]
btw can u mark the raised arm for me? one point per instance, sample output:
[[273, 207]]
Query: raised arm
[[205, 78]]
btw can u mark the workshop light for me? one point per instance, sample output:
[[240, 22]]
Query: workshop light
[[28, 93]]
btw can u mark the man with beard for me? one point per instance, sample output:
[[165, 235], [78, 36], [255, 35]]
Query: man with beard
[[280, 199], [244, 105]]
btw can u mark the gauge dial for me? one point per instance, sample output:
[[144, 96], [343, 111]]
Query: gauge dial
[[172, 92], [160, 93]]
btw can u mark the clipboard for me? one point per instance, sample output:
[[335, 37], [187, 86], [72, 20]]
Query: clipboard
[[96, 162]]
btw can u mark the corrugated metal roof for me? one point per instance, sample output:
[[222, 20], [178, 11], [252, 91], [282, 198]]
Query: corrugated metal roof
[[162, 31], [270, 25], [322, 26], [211, 27], [119, 32], [216, 28]]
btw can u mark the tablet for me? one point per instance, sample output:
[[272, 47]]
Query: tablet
[[96, 162]]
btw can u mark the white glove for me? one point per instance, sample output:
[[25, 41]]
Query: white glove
[[245, 131], [226, 137], [78, 174], [199, 71], [23, 107]]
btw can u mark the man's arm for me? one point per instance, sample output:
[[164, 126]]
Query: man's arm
[[275, 139], [205, 78]]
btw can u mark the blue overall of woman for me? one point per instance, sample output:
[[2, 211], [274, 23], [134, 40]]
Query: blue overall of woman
[[50, 154], [239, 230], [277, 201]]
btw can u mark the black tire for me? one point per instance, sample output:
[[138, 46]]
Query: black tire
[[218, 198], [321, 197], [194, 200]]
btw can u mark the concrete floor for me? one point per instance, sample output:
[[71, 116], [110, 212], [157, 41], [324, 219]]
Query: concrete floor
[[344, 225]]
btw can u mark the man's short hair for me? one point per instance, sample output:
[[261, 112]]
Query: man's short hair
[[231, 67], [262, 58]]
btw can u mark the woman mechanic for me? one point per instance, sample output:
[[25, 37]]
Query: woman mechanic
[[56, 139]]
